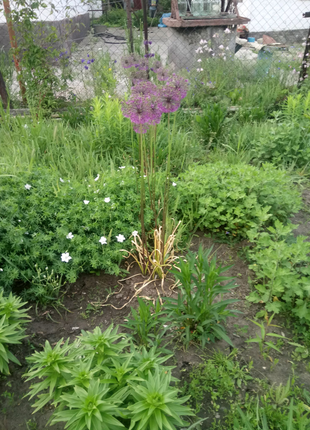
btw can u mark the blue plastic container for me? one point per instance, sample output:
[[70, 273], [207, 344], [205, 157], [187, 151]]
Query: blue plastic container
[[251, 39], [164, 15]]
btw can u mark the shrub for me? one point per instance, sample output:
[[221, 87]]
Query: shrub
[[35, 224], [196, 312], [94, 381], [285, 140], [12, 320], [281, 265], [231, 199]]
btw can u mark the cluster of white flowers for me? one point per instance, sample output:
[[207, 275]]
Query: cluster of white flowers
[[65, 256]]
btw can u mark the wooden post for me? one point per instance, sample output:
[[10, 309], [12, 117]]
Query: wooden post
[[305, 70], [129, 24], [145, 29], [3, 92], [12, 36]]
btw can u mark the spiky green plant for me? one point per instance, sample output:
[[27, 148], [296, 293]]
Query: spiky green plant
[[157, 405], [92, 409], [12, 318], [101, 345], [51, 365], [9, 334]]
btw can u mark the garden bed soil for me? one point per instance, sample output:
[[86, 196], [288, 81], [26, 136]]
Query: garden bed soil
[[84, 309]]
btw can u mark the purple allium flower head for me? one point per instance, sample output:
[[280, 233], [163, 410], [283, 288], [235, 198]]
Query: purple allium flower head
[[137, 110], [169, 100], [179, 84], [127, 62], [156, 66], [155, 111], [143, 64], [138, 76], [145, 88], [141, 129], [162, 74]]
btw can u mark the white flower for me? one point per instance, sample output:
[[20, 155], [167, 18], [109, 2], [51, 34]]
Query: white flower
[[1, 270], [304, 44], [70, 236], [174, 184], [199, 60], [97, 177], [202, 42], [120, 238], [65, 257], [227, 31], [25, 126], [199, 70], [107, 200], [199, 50], [61, 180], [19, 220], [27, 186], [122, 167], [215, 35], [97, 191], [86, 202], [103, 240], [221, 47], [227, 48], [135, 233]]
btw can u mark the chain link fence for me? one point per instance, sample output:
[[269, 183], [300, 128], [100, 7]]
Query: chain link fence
[[94, 36]]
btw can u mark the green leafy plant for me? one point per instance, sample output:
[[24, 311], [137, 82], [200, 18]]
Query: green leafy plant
[[45, 288], [211, 122], [56, 217], [280, 263], [12, 320], [231, 199], [220, 377], [95, 383], [199, 309], [146, 324], [265, 345], [157, 405]]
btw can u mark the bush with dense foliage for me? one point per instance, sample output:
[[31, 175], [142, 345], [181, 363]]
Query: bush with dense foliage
[[231, 199], [45, 219], [281, 265]]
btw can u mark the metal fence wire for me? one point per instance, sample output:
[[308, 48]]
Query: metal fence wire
[[253, 38]]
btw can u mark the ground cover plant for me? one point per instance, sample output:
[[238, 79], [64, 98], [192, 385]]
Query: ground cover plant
[[166, 211]]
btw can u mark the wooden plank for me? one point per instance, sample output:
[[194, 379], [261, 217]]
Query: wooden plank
[[205, 22]]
